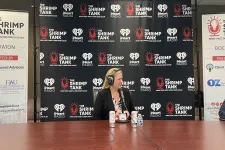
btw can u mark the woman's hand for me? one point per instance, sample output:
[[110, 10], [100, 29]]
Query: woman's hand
[[118, 113], [127, 113]]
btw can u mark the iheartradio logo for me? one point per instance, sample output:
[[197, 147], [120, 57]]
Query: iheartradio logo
[[134, 56], [41, 55], [115, 8], [181, 55], [191, 81], [68, 7], [59, 107], [145, 81], [162, 7], [125, 32], [49, 81], [77, 31], [87, 56], [97, 81], [172, 31], [155, 106]]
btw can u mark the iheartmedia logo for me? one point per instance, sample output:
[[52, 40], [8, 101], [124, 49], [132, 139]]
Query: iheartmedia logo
[[87, 59], [134, 59], [172, 35], [163, 13], [218, 58], [191, 84], [145, 84], [42, 62], [115, 11], [8, 57], [77, 35], [59, 111], [67, 8], [97, 83], [181, 56], [155, 110], [125, 37], [49, 85]]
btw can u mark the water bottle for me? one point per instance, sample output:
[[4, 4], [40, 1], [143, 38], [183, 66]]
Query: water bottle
[[140, 120]]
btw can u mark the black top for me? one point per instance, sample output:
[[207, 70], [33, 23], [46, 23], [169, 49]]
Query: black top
[[104, 103], [222, 112]]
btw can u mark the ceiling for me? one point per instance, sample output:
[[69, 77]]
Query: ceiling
[[209, 2]]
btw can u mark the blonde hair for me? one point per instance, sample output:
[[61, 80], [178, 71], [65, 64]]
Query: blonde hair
[[113, 72]]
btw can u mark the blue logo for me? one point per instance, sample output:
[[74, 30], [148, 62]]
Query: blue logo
[[215, 82]]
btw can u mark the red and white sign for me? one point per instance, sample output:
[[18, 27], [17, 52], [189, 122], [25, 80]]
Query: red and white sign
[[213, 58], [13, 66], [8, 57]]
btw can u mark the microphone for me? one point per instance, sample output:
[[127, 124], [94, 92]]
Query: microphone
[[122, 97]]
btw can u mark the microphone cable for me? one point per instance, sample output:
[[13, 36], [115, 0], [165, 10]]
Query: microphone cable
[[138, 127], [148, 138], [111, 140]]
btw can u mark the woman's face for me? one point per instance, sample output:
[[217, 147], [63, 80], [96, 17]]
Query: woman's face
[[118, 80]]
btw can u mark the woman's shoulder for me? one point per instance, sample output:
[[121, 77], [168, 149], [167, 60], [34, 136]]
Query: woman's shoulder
[[103, 91]]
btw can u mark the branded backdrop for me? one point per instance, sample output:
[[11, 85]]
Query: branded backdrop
[[150, 41], [14, 28], [213, 54]]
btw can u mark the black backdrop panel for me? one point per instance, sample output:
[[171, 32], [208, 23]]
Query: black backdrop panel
[[150, 40]]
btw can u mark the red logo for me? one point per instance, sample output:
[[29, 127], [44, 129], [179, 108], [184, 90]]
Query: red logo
[[44, 32], [177, 9], [216, 104], [64, 83], [74, 107], [130, 9], [83, 9], [160, 82], [218, 58], [139, 33], [8, 57], [54, 57], [187, 32], [170, 107], [92, 33], [149, 57], [214, 26], [102, 57]]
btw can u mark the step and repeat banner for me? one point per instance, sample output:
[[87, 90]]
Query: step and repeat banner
[[14, 28], [213, 56], [150, 41]]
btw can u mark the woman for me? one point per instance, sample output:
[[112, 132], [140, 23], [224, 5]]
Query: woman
[[109, 98]]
